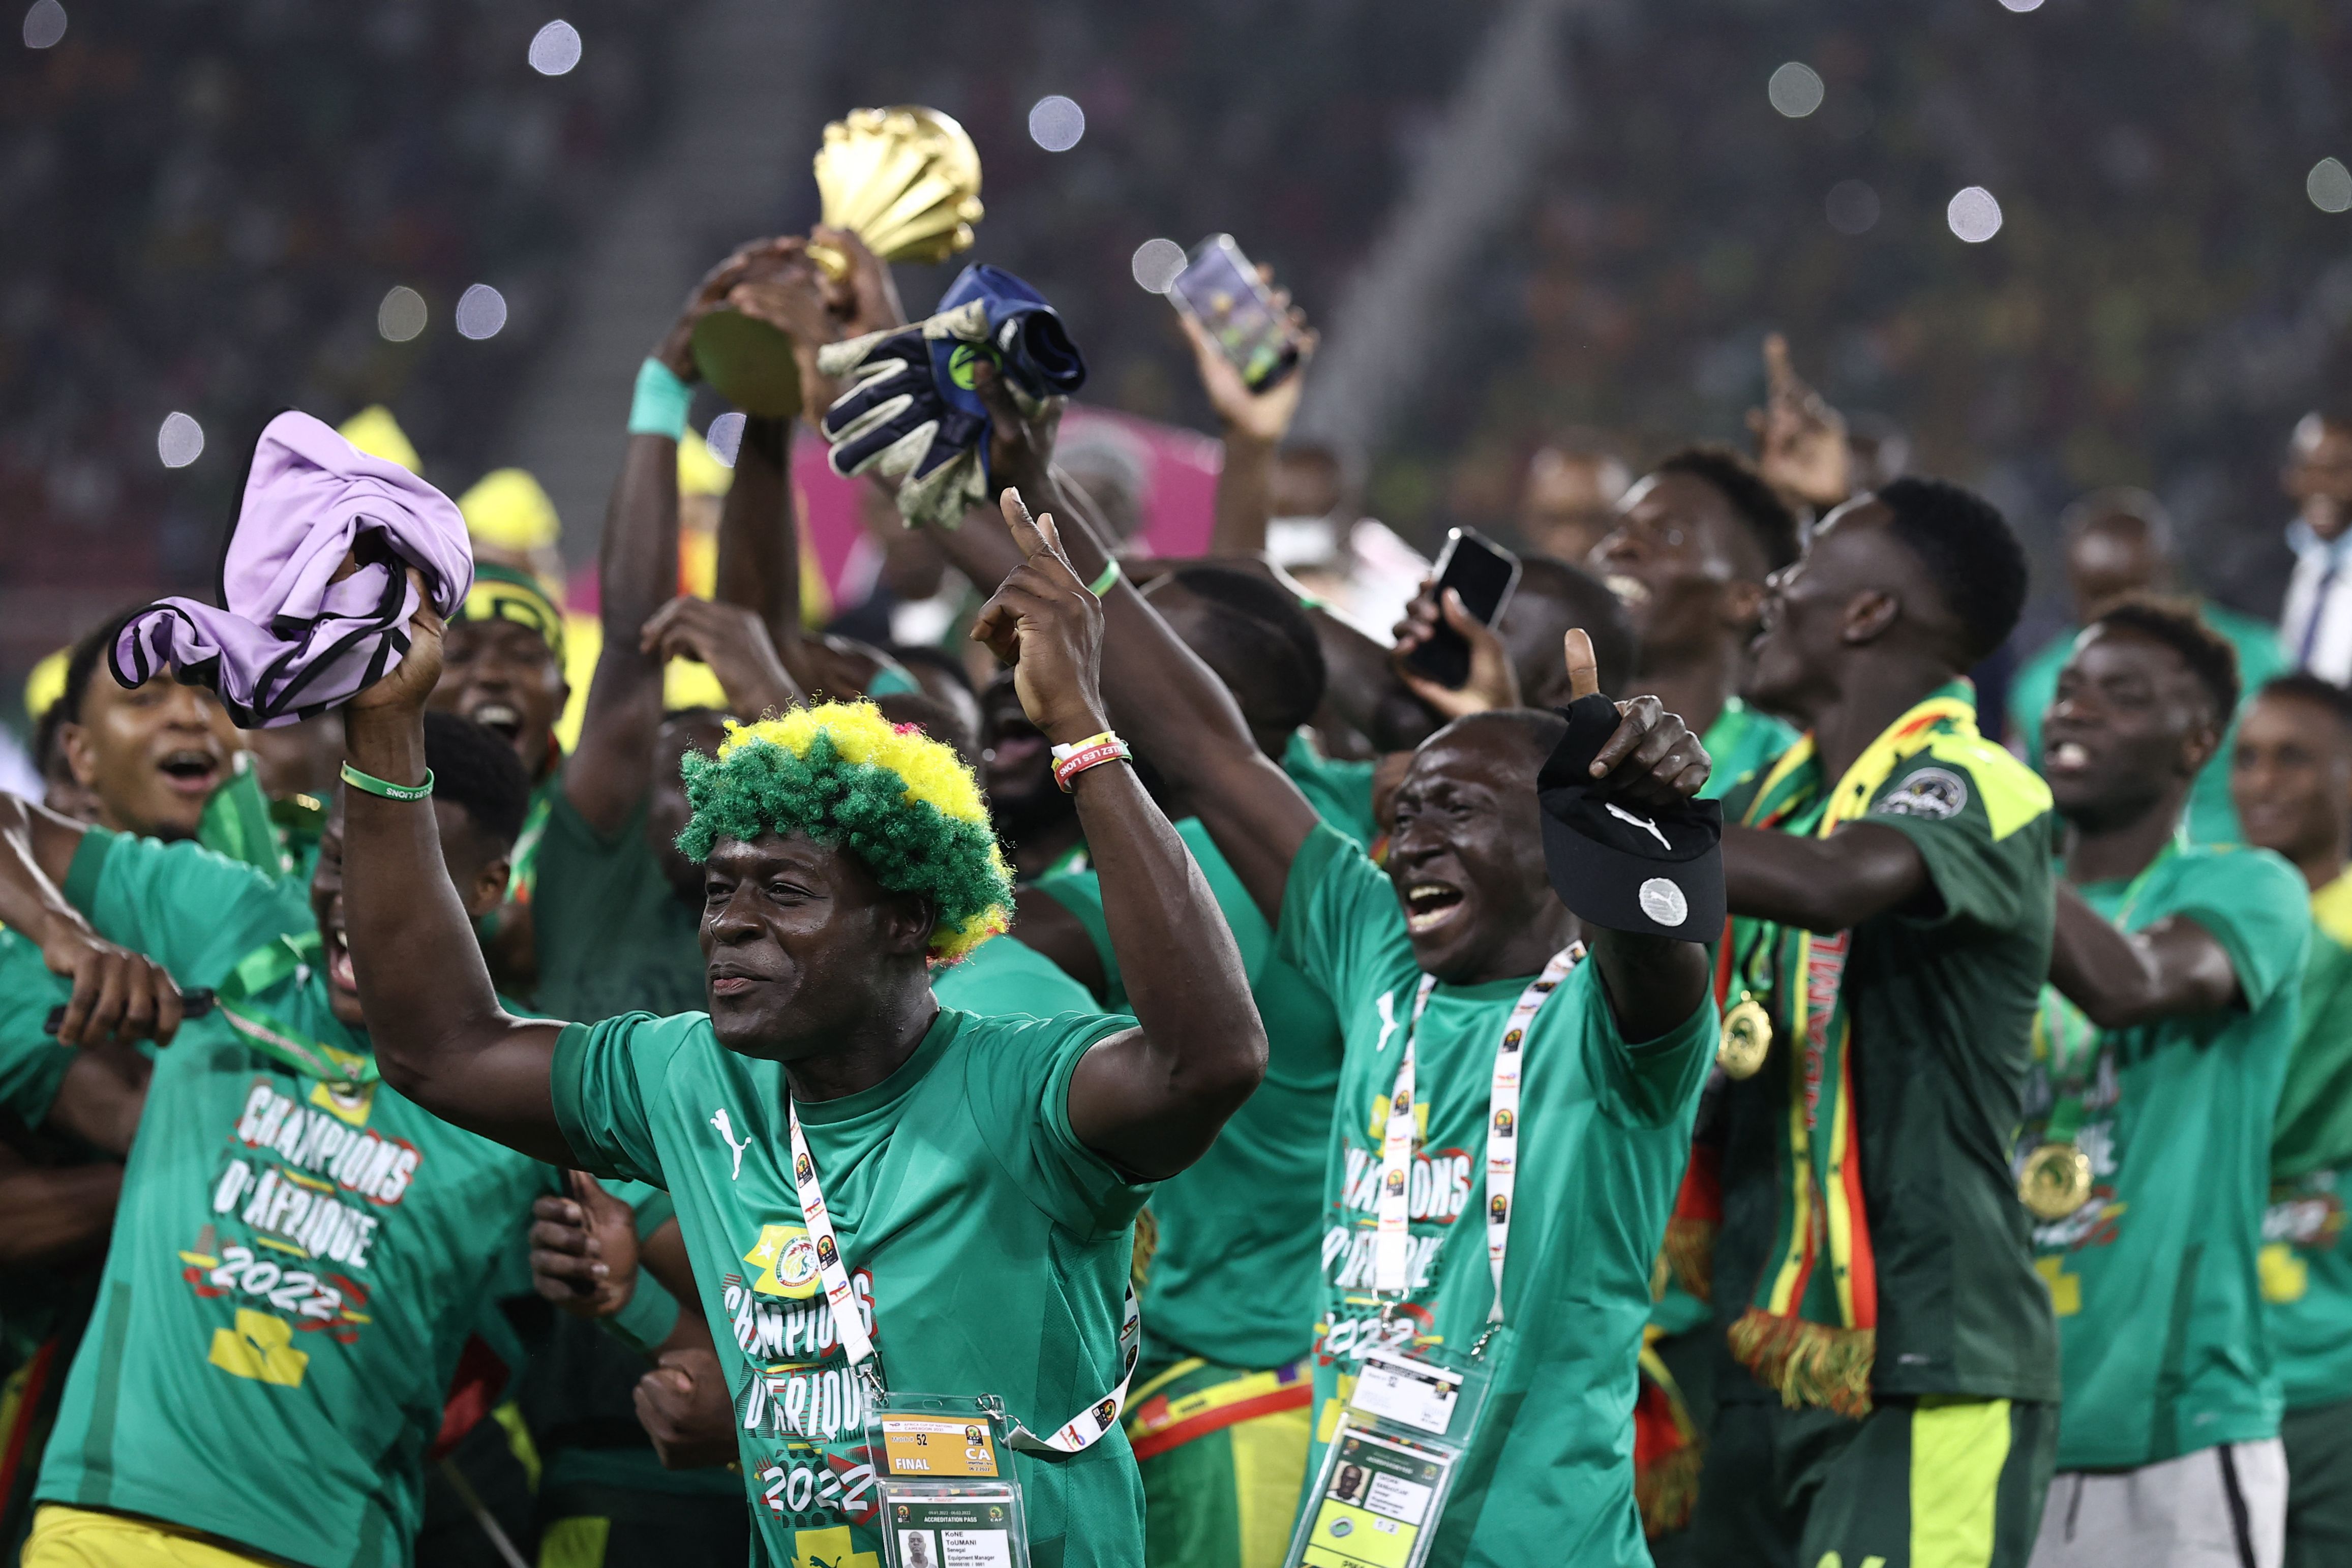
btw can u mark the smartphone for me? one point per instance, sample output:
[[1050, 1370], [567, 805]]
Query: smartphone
[[1484, 573], [1220, 291]]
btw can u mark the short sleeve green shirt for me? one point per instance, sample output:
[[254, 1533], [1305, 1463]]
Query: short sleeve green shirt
[[32, 1063], [1942, 1009], [2154, 1278], [613, 934], [294, 1272], [1341, 791], [987, 1246], [1246, 1210], [1605, 1131], [1006, 976], [2306, 1264]]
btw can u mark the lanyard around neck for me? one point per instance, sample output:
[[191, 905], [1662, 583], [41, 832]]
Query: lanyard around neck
[[1081, 1431], [263, 968], [1392, 1240]]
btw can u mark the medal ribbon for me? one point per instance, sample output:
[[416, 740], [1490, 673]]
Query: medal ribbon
[[1809, 1330], [269, 966], [1392, 1241], [1081, 1431]]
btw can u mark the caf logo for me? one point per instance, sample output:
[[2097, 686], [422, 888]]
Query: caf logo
[[1396, 1181], [802, 1168], [1106, 1412], [825, 1255], [994, 1511], [1498, 1207], [1503, 1125], [1511, 1040], [971, 1435], [1404, 1102]]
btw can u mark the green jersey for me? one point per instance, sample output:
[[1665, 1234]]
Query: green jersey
[[1232, 1274], [2212, 819], [613, 934], [2304, 1264], [1741, 740], [1340, 791], [1006, 975], [1941, 999], [2159, 1315], [987, 1229], [1605, 1131], [294, 1270], [32, 1063]]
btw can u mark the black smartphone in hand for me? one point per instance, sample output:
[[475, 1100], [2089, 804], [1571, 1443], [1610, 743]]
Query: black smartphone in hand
[[1484, 573]]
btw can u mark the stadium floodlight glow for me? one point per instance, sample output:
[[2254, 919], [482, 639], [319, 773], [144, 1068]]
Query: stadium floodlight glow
[[1157, 262], [180, 441], [725, 438], [1796, 90], [2329, 186], [1055, 124], [401, 316], [1853, 208], [1973, 215], [555, 48], [45, 23], [481, 311], [2021, 4]]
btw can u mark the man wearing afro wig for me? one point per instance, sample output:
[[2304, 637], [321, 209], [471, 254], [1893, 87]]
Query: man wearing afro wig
[[966, 1185]]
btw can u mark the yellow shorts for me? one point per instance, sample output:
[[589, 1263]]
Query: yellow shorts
[[77, 1538]]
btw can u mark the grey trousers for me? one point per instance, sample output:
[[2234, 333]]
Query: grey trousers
[[2223, 1507]]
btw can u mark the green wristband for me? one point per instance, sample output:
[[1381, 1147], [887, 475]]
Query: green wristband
[[386, 787], [1108, 581]]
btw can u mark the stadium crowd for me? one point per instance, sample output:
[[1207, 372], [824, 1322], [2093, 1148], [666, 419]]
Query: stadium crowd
[[441, 1131]]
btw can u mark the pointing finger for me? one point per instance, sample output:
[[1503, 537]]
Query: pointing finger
[[1779, 376], [1583, 668], [1018, 519]]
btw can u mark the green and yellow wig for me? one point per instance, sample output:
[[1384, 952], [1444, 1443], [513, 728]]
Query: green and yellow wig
[[842, 773]]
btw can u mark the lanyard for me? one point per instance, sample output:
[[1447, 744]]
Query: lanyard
[[260, 970], [1392, 1242], [1081, 1431]]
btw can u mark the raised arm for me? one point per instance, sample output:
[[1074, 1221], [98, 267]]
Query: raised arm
[[2121, 978], [440, 1036], [1172, 706], [1254, 425], [1823, 884], [1150, 1100], [637, 573], [118, 994]]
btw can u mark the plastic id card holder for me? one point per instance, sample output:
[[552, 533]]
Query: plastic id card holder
[[949, 1495], [1391, 1460]]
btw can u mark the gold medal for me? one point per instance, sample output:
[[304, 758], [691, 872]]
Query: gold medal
[[1746, 1038], [2056, 1181]]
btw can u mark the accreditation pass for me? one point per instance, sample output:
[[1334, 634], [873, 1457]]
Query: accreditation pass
[[973, 1529], [1375, 1504]]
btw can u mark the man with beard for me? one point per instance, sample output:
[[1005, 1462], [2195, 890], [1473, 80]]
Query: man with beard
[[2145, 1154], [1892, 1387], [1463, 921], [975, 1172], [300, 1252], [2291, 776]]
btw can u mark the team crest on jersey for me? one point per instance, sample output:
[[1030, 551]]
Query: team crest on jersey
[[786, 1260], [1932, 792]]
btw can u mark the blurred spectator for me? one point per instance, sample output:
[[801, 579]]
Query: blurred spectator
[[1570, 500], [2316, 624], [2119, 545]]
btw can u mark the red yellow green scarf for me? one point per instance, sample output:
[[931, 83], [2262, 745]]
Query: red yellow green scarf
[[1811, 1329]]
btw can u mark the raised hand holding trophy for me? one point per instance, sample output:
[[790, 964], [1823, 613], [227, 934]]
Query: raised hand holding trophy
[[905, 181]]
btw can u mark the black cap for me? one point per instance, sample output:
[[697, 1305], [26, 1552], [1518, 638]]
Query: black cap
[[1654, 871]]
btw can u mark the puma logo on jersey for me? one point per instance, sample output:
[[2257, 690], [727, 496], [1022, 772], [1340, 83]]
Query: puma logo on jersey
[[726, 1131], [1644, 823]]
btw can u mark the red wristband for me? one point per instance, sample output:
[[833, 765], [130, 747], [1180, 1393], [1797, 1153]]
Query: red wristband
[[1070, 762]]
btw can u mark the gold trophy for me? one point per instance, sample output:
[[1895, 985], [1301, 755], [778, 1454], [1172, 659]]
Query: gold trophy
[[906, 182]]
